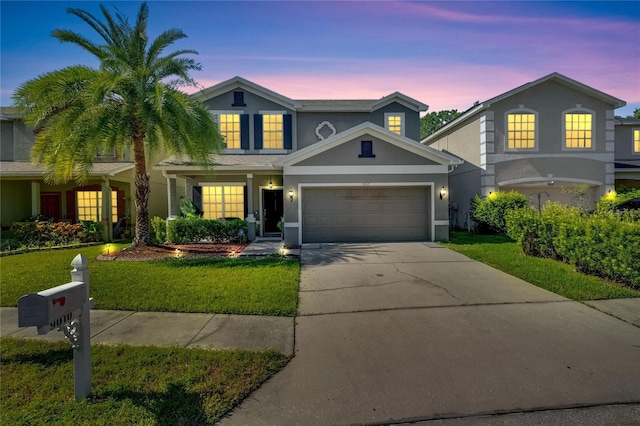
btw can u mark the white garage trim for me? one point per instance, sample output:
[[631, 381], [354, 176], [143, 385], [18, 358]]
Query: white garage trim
[[365, 170], [430, 185]]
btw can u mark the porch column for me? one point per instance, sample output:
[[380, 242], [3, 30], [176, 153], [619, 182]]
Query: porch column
[[250, 194], [35, 198], [107, 221], [173, 209], [251, 220]]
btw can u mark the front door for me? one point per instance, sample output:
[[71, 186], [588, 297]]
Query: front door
[[50, 205], [271, 210]]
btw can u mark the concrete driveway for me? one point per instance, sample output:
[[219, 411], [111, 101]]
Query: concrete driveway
[[393, 333]]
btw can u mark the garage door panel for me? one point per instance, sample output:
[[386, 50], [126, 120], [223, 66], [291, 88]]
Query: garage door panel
[[365, 214]]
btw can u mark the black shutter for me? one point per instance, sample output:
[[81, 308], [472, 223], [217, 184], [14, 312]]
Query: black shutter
[[244, 131], [197, 199], [288, 131], [257, 131]]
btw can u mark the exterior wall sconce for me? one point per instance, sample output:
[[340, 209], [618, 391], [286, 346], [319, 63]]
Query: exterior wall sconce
[[443, 192], [291, 195], [270, 183]]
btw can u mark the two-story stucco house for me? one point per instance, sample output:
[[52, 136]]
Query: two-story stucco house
[[551, 139], [322, 170], [627, 164], [104, 198]]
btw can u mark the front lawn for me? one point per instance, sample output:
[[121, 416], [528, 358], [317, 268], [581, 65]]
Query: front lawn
[[130, 385], [266, 286], [504, 254]]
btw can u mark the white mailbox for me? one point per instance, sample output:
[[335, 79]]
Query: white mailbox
[[50, 309], [66, 308]]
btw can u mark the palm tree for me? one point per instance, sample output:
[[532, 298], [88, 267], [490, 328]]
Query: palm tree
[[130, 102]]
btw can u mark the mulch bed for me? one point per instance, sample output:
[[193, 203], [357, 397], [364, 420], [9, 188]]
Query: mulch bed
[[176, 251]]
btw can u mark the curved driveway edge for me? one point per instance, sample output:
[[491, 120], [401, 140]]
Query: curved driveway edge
[[388, 333]]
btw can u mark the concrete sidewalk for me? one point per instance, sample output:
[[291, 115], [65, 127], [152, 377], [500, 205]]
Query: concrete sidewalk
[[209, 331]]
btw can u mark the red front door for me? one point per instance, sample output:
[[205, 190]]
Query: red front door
[[50, 205]]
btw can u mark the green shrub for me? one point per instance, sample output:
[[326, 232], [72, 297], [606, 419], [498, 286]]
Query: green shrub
[[489, 214], [194, 229], [608, 201], [48, 234], [606, 244], [159, 226]]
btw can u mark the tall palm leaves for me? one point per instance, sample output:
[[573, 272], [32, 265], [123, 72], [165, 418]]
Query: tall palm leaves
[[131, 102]]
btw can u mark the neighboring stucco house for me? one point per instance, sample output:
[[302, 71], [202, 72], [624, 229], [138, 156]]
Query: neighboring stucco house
[[329, 170], [627, 154], [551, 139], [105, 198]]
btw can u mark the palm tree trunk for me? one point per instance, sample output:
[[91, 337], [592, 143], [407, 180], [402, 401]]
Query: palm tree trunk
[[142, 237]]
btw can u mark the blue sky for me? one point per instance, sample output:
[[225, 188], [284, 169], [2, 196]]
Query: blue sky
[[445, 54]]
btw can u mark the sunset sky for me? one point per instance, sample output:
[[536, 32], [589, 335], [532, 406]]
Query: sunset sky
[[445, 54]]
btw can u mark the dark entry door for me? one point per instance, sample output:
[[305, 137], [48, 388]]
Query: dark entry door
[[272, 209], [50, 205]]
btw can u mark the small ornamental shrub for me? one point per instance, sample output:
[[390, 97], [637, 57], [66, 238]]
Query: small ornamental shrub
[[185, 230], [606, 243], [489, 214], [159, 226]]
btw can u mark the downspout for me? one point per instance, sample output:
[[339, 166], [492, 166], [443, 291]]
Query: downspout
[[164, 173]]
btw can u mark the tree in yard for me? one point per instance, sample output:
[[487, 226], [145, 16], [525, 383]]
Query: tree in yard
[[132, 101], [636, 113], [434, 120]]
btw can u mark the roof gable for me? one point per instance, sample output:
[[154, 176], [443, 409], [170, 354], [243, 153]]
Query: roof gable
[[241, 83], [381, 133], [556, 77]]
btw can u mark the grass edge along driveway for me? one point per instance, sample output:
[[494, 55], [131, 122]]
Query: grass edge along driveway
[[267, 286], [502, 253]]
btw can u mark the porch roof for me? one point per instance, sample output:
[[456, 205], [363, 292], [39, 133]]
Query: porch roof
[[27, 169], [224, 162]]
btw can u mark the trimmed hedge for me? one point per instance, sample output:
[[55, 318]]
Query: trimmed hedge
[[159, 226], [489, 213], [185, 230], [606, 244]]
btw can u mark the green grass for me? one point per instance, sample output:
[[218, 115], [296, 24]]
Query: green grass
[[130, 385], [504, 254], [266, 286]]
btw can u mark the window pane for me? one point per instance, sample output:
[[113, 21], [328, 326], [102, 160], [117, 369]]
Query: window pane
[[272, 131], [224, 201], [394, 124], [578, 130], [521, 131], [636, 140], [229, 125]]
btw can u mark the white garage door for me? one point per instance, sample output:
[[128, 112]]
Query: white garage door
[[365, 214]]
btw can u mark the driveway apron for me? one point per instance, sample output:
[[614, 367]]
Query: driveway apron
[[403, 332]]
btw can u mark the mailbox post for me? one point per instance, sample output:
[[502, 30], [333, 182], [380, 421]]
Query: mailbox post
[[67, 308]]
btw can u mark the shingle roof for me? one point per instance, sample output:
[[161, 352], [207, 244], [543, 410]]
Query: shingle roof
[[240, 161], [25, 168]]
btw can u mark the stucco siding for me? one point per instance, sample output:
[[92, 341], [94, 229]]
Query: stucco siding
[[463, 141], [464, 184], [550, 100], [15, 197], [23, 139], [347, 154], [6, 140], [624, 142], [558, 169]]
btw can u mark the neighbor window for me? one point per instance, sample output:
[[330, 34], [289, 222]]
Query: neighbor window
[[394, 122], [578, 130], [229, 126], [89, 205], [272, 131], [220, 202], [521, 131], [636, 141]]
